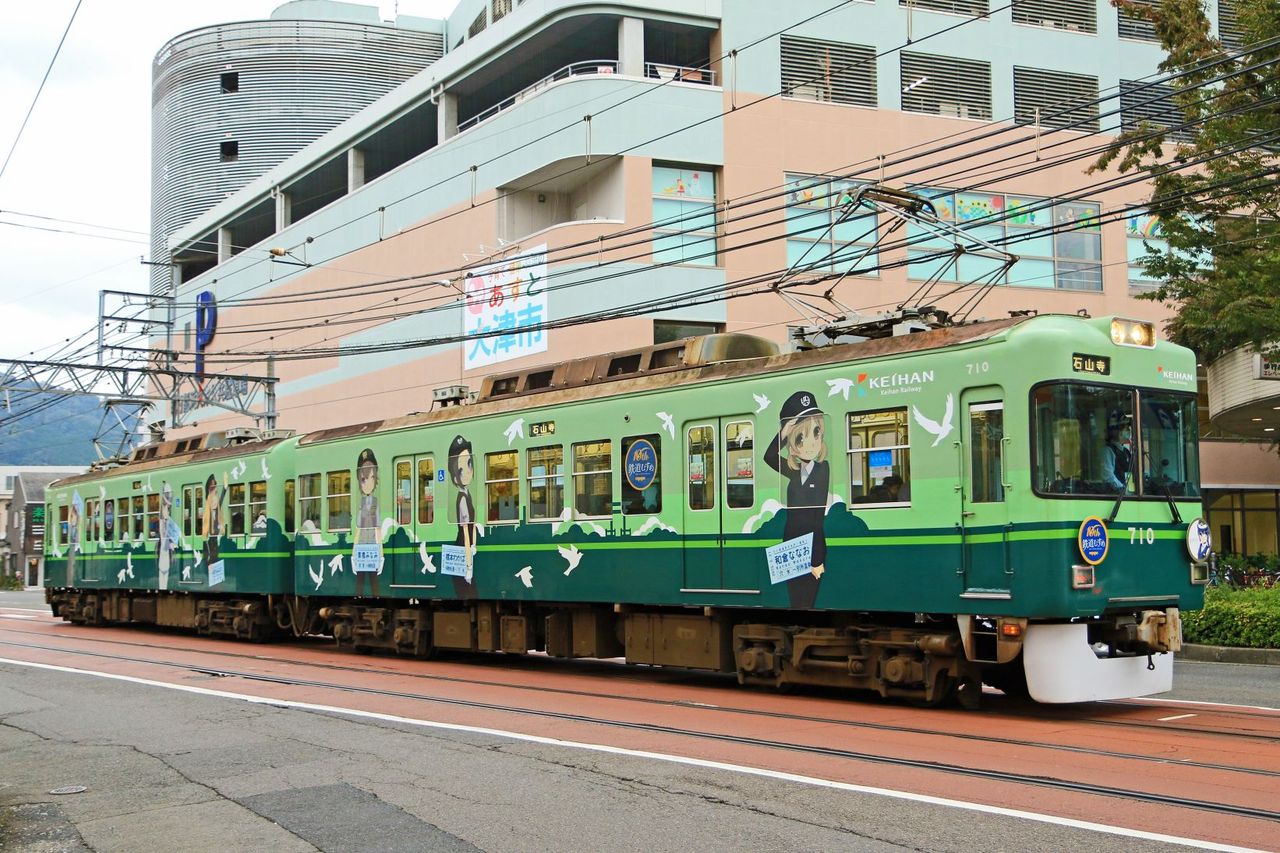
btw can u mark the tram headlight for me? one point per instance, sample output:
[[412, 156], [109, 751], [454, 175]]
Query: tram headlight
[[1133, 333]]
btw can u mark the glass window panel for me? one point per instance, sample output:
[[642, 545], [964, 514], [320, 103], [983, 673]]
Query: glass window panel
[[593, 478], [1032, 273], [1026, 212], [139, 519], [879, 457], [290, 517], [502, 486], [684, 182], [739, 465], [972, 267], [986, 431], [1074, 276], [235, 508], [1259, 532], [1170, 445], [668, 249], [404, 492], [426, 490], [858, 229], [546, 482], [921, 267], [1082, 215], [338, 485], [1039, 247], [649, 499], [1078, 246], [309, 502], [1259, 500], [1083, 439], [258, 505], [701, 469]]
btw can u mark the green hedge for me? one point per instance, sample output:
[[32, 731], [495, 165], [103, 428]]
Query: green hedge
[[1246, 618], [10, 582]]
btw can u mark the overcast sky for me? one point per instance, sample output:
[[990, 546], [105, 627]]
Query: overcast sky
[[84, 158]]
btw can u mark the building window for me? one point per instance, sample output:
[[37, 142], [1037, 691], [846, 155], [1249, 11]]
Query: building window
[[1134, 27], [502, 486], [229, 150], [684, 215], [1055, 98], [880, 458], [500, 9], [1059, 244], [593, 479], [817, 239], [338, 492], [546, 483], [666, 331], [1151, 104], [1243, 522], [946, 86], [1229, 32], [1074, 15], [477, 26], [230, 82], [831, 71], [973, 8]]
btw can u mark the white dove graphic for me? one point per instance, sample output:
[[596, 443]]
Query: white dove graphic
[[526, 576], [516, 429], [762, 402], [745, 435], [938, 430], [197, 559], [668, 423], [120, 576], [428, 564], [316, 577], [335, 565], [266, 475], [186, 573], [839, 386], [128, 564], [572, 556]]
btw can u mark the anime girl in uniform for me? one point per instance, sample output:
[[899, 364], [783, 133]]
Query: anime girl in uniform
[[212, 518], [168, 541], [808, 475], [461, 472], [74, 512], [367, 517]]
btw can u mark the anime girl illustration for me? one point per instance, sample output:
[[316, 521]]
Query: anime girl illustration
[[74, 512], [168, 541], [808, 475], [366, 555], [461, 472], [212, 518]]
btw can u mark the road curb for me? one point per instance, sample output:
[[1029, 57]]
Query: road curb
[[1228, 654]]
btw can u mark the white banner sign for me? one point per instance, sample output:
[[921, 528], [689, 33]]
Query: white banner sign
[[453, 560], [790, 559], [508, 297]]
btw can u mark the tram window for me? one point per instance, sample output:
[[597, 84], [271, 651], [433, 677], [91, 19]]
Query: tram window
[[404, 492], [109, 520], [91, 521], [880, 458], [502, 486], [289, 512], [309, 502], [64, 514], [1170, 445], [1084, 439], [338, 492], [188, 507], [639, 470], [235, 509], [139, 519], [426, 490], [739, 464], [258, 506], [545, 466], [153, 516], [701, 473], [593, 479], [986, 438], [122, 518]]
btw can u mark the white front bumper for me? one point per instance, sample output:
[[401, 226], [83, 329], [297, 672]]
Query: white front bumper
[[1061, 667]]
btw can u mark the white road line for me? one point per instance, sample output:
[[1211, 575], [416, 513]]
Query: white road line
[[1226, 705], [1176, 717], [657, 756], [16, 616], [43, 610]]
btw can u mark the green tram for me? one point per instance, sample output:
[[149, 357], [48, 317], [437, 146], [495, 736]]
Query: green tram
[[1012, 502]]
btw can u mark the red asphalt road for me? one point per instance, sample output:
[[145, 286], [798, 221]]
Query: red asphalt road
[[1232, 737]]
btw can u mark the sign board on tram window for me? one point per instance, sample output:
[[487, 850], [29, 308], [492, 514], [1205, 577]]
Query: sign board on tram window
[[1084, 363], [542, 428]]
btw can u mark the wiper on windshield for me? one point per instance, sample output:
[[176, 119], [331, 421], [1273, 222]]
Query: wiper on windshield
[[1124, 493]]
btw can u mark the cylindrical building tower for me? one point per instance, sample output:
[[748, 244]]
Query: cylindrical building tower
[[231, 101]]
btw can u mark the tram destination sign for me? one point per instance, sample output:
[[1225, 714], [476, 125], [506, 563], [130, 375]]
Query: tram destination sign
[[1084, 363]]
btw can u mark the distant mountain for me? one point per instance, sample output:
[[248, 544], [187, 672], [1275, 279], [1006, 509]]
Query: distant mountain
[[61, 434]]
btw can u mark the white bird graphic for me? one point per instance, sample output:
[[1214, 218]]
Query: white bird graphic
[[148, 486], [516, 429], [428, 564], [526, 576], [839, 386], [668, 423], [335, 565], [128, 564], [120, 576], [316, 577], [266, 475], [762, 402], [572, 556], [745, 435], [938, 430], [186, 573], [197, 561], [238, 471]]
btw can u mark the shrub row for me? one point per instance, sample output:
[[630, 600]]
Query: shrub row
[[1246, 618]]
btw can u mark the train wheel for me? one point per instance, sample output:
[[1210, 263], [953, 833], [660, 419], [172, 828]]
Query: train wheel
[[1010, 679]]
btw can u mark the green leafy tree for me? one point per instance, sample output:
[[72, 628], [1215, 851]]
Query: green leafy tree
[[1217, 193]]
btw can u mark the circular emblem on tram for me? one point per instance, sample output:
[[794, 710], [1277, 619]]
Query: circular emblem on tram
[[1093, 540], [1199, 542], [641, 464]]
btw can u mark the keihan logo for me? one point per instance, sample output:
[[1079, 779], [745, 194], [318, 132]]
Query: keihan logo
[[862, 384], [1175, 375]]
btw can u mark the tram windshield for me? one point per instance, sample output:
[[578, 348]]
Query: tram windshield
[[1103, 440]]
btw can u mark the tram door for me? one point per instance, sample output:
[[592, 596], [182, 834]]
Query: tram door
[[719, 493], [986, 565], [416, 480]]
